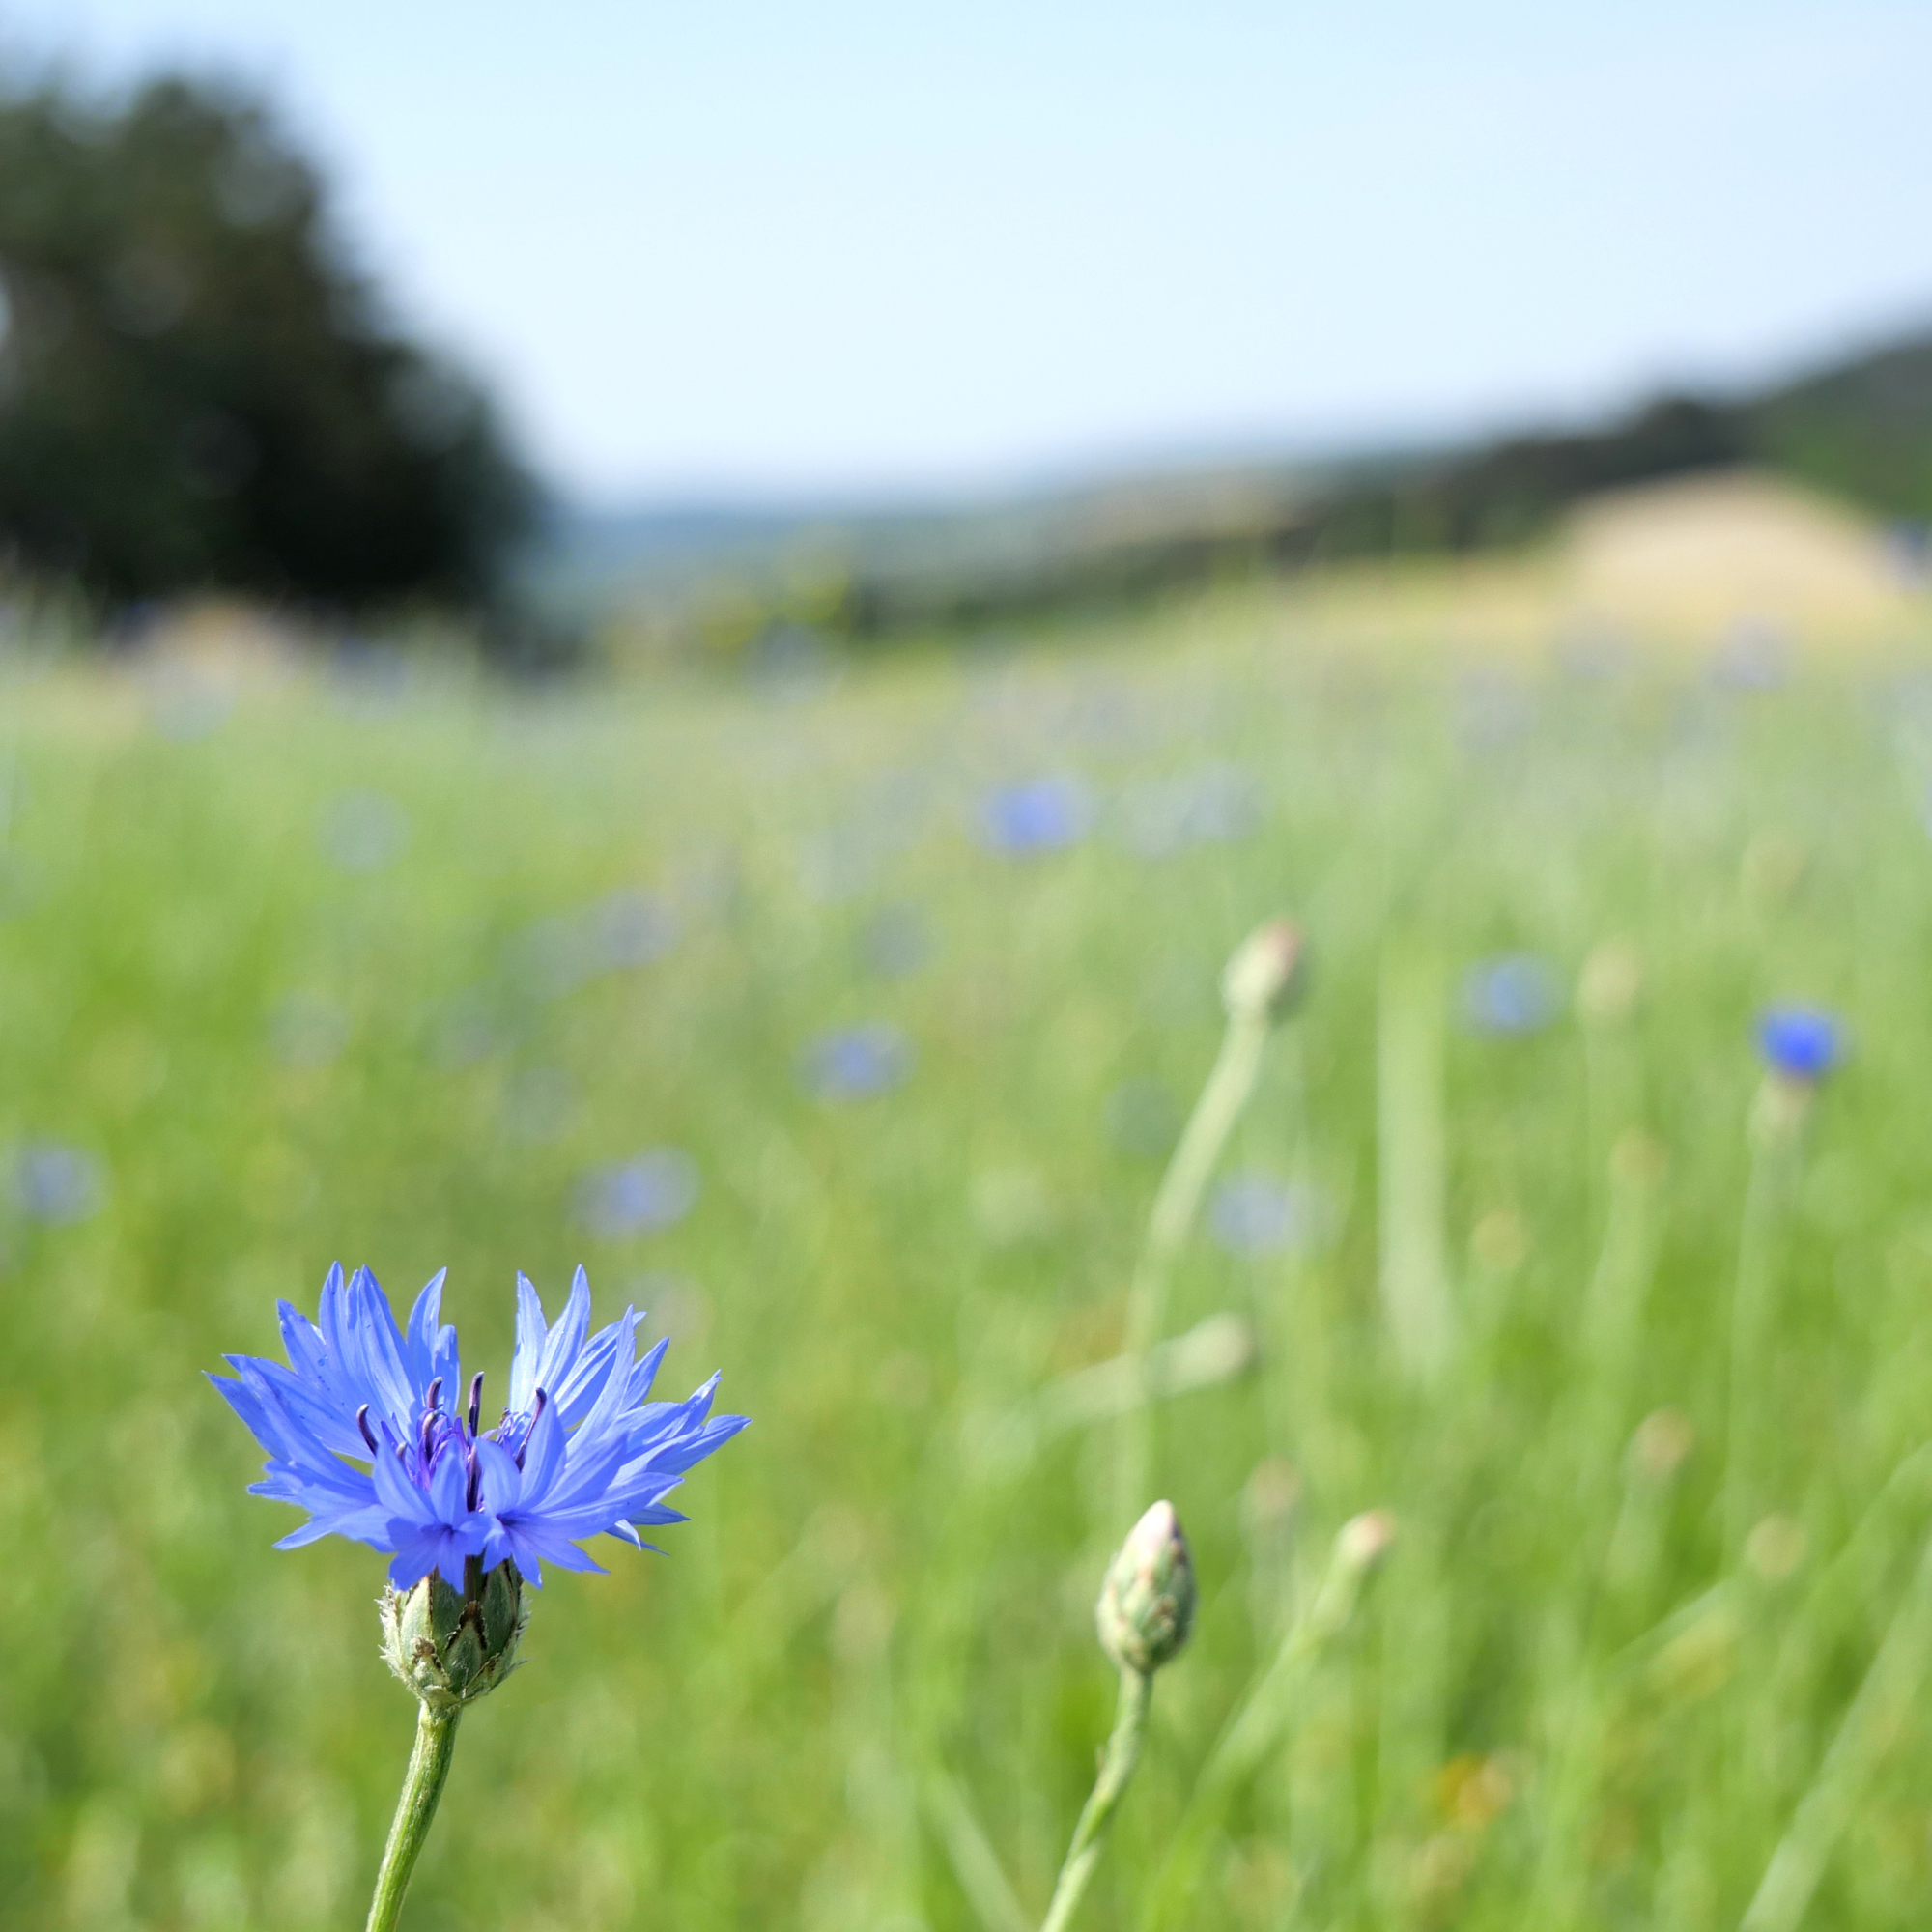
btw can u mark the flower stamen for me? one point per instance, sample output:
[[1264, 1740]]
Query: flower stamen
[[536, 1416]]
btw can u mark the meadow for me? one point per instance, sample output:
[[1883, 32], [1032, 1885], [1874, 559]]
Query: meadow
[[845, 1019]]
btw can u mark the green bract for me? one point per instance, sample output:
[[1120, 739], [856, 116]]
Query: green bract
[[1147, 1603], [454, 1646]]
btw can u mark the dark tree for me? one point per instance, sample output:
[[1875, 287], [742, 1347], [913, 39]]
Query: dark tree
[[196, 394]]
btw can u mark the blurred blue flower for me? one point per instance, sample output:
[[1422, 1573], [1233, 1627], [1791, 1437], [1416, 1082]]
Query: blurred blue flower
[[1043, 815], [1514, 993], [1255, 1214], [855, 1061], [368, 1431], [1800, 1042], [56, 1183], [363, 831], [657, 1189]]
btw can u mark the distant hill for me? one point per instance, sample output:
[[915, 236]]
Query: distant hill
[[1861, 429]]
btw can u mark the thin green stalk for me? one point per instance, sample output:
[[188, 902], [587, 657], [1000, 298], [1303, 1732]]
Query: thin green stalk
[[1280, 1296], [1229, 1086], [1572, 1674], [1868, 1728], [975, 1864], [1256, 1726], [422, 1787], [1117, 1768], [1410, 1167], [1751, 1313]]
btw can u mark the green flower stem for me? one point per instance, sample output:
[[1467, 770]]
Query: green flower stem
[[1259, 1723], [1226, 1094], [1777, 1127], [1871, 1724], [422, 1787], [1117, 1767]]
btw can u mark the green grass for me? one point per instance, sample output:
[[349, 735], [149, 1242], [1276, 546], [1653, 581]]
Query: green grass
[[1559, 1704]]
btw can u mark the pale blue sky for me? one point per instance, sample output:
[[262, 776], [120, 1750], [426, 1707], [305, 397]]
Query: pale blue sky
[[759, 249]]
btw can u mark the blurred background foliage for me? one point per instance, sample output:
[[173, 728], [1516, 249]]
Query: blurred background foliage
[[845, 1025], [197, 393]]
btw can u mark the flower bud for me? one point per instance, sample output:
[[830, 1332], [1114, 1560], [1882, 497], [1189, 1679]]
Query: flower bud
[[1266, 976], [1147, 1603], [1365, 1540], [453, 1646], [1360, 1545]]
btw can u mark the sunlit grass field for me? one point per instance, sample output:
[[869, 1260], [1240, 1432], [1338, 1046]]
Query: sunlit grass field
[[741, 994]]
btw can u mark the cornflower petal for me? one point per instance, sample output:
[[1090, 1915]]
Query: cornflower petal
[[248, 1406], [332, 1319], [374, 1326], [645, 1373], [575, 1394], [404, 1500], [563, 1342], [301, 1409], [543, 1453], [307, 1351], [685, 1452], [502, 1480], [448, 1484], [530, 1332], [417, 1557], [609, 1407], [430, 1348]]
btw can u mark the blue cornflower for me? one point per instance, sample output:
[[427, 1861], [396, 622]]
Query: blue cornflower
[[854, 1063], [657, 1189], [366, 1430], [1044, 815], [56, 1183], [1800, 1042], [1255, 1214], [1514, 993]]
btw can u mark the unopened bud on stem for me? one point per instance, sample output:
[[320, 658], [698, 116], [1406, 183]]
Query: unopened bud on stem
[[1365, 1540], [1265, 978], [1147, 1603], [454, 1646], [1360, 1545]]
